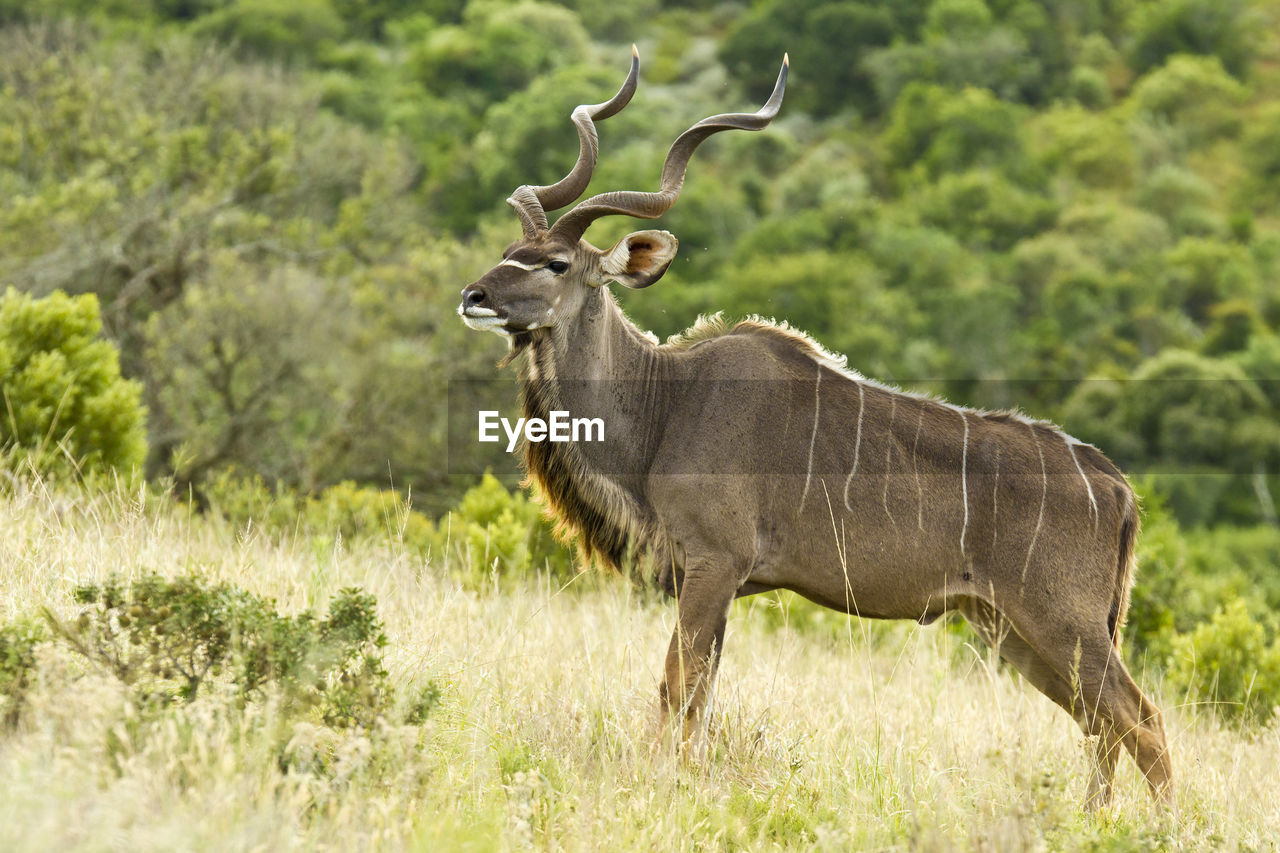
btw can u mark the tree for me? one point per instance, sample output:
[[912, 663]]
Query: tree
[[932, 130], [1221, 28], [829, 39], [66, 406], [1193, 93]]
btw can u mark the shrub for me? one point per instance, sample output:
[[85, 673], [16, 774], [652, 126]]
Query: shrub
[[355, 512], [834, 37], [1095, 149], [984, 209], [17, 667], [167, 639], [362, 512], [1182, 413], [502, 531], [245, 499], [66, 406], [1183, 198], [491, 529], [1089, 87], [1260, 190], [1231, 663]]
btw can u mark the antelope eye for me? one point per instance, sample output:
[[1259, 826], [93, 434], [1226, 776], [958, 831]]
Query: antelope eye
[[558, 267]]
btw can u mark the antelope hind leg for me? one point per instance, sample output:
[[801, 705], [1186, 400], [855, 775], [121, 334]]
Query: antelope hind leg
[[1108, 703], [997, 631], [1122, 696], [1137, 725]]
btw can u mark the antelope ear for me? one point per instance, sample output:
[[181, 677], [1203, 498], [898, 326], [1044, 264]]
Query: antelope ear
[[639, 259]]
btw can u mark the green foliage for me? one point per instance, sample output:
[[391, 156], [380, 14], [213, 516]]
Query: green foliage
[[998, 59], [166, 639], [1231, 662], [277, 29], [231, 381], [280, 278], [851, 286], [995, 198], [1186, 575], [345, 510], [932, 130], [1223, 29], [1089, 87], [985, 210], [360, 512], [1261, 150], [494, 530], [1094, 150], [527, 139], [497, 50], [490, 530], [830, 40], [212, 207], [245, 500], [18, 641], [1185, 414], [1202, 273], [65, 404], [1183, 198], [1194, 93]]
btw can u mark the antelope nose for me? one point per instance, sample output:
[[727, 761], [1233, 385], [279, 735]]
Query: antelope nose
[[474, 296]]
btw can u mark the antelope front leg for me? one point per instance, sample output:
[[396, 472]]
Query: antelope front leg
[[703, 604]]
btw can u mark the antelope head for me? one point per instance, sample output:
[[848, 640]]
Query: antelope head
[[545, 276]]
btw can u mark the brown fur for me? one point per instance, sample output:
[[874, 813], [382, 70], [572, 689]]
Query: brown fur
[[810, 477], [1032, 464], [612, 530]]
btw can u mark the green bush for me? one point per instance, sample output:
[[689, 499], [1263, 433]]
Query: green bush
[[491, 529], [346, 509], [1094, 149], [65, 404], [18, 642], [361, 512], [1231, 662], [496, 530], [1089, 87], [167, 639], [834, 39], [245, 500], [497, 50], [1261, 154], [1186, 575], [1199, 422]]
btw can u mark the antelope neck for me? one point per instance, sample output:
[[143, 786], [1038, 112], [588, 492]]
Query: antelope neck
[[601, 365]]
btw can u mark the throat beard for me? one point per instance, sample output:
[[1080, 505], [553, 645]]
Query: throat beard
[[518, 343]]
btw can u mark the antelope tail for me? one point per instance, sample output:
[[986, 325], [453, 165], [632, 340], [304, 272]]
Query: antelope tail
[[1126, 563]]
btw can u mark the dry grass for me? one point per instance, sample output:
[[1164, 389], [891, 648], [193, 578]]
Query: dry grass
[[893, 737]]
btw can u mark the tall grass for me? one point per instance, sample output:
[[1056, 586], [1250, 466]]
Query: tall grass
[[875, 737]]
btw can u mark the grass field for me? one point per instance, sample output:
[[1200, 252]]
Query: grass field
[[887, 736]]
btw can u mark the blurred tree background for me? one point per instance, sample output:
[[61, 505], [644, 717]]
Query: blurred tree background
[[1068, 207]]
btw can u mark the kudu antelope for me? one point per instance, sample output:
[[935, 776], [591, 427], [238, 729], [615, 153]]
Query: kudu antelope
[[853, 494]]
